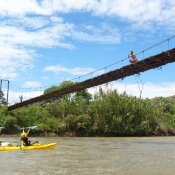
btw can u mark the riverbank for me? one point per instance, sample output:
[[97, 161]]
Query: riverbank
[[161, 131]]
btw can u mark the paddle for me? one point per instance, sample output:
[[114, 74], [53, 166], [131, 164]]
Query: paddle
[[22, 128]]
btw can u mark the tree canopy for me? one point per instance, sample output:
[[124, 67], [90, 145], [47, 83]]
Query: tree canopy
[[3, 101]]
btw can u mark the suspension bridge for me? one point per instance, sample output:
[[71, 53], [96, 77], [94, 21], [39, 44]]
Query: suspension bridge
[[146, 64]]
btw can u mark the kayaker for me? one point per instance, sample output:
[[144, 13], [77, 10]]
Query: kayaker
[[24, 138], [5, 143]]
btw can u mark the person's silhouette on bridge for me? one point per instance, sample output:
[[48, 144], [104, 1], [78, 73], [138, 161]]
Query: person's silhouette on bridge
[[134, 59], [21, 98]]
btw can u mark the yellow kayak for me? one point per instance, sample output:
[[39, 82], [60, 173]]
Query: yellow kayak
[[35, 146]]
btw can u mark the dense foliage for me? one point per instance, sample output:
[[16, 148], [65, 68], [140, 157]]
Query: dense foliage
[[3, 101], [107, 114]]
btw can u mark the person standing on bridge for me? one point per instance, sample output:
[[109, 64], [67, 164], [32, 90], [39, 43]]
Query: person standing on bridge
[[134, 59], [21, 98]]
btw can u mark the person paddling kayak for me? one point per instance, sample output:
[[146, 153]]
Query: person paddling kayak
[[24, 138]]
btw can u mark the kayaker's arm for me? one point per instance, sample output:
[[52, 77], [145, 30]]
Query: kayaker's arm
[[28, 132]]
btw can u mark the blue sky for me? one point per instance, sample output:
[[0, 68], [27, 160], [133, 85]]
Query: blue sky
[[43, 43]]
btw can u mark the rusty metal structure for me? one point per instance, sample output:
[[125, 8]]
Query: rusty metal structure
[[129, 70]]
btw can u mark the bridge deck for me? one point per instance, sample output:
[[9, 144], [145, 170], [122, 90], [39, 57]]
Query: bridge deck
[[142, 66]]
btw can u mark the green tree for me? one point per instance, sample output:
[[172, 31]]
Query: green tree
[[84, 95], [3, 101], [64, 84], [49, 90]]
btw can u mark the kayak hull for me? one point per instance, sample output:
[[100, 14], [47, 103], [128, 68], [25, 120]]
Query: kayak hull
[[33, 147]]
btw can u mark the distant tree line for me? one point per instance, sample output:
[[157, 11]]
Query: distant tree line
[[103, 114]]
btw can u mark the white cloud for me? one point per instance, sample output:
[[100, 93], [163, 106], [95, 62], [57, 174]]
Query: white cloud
[[22, 22], [18, 7], [139, 10], [47, 37], [73, 71], [56, 19], [104, 33], [25, 27], [14, 60], [149, 90], [31, 84]]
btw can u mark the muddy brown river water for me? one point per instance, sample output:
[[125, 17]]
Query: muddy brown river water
[[92, 155]]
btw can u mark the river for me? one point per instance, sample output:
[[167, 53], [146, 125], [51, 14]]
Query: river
[[92, 156]]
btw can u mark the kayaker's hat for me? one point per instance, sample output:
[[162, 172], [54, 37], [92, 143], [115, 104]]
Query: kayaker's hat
[[23, 134]]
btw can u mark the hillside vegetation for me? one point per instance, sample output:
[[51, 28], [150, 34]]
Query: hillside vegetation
[[106, 114]]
